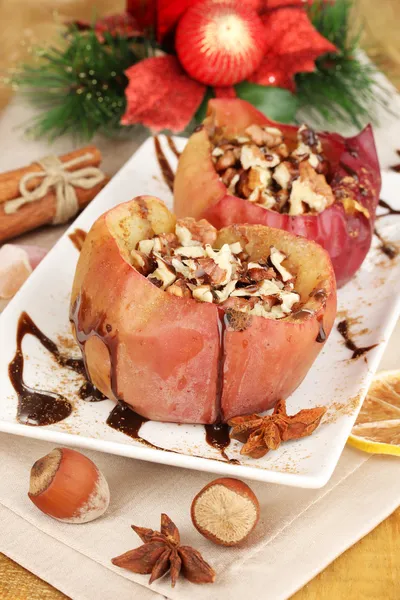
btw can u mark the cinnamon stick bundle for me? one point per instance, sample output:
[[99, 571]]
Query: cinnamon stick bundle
[[41, 212]]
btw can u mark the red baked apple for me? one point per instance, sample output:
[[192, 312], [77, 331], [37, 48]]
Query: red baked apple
[[193, 325], [240, 167]]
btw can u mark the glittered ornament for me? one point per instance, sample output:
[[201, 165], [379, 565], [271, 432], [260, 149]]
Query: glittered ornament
[[220, 43]]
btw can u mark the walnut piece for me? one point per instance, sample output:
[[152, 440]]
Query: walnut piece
[[259, 167], [184, 265]]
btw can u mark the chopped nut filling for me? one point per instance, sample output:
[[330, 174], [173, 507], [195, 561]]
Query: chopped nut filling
[[185, 264], [260, 167]]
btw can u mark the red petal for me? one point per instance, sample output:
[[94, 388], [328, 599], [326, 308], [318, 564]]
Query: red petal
[[123, 25], [169, 13], [293, 44], [225, 92], [144, 11], [160, 95]]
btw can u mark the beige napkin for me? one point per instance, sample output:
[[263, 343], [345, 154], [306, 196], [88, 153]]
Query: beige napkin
[[300, 531]]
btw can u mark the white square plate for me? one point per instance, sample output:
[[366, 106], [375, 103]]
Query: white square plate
[[371, 300]]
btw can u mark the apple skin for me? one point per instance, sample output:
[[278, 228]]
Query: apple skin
[[178, 360], [199, 193], [269, 359]]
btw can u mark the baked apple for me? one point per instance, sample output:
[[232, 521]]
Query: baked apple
[[240, 167], [193, 325]]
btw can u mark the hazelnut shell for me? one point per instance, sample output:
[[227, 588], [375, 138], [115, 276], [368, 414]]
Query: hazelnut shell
[[241, 489], [68, 486]]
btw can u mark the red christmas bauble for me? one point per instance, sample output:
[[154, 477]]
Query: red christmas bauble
[[220, 43]]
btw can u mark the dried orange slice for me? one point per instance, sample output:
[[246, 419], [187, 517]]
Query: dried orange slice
[[377, 428]]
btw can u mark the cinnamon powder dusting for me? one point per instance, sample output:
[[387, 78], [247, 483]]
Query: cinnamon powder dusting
[[341, 409]]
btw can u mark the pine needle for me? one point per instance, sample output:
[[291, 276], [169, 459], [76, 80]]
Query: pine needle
[[79, 88], [342, 88]]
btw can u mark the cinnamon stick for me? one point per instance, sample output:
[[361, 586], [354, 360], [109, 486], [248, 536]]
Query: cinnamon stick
[[9, 181], [41, 212]]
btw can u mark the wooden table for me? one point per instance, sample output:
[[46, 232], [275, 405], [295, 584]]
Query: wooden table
[[371, 568]]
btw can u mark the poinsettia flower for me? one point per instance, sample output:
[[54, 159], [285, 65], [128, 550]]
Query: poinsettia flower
[[269, 41], [293, 45], [160, 95], [144, 12]]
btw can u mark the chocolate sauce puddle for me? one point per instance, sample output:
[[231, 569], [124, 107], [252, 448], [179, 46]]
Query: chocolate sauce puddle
[[124, 419], [165, 167], [172, 145], [386, 247], [35, 407], [390, 210], [41, 407], [78, 237], [343, 329]]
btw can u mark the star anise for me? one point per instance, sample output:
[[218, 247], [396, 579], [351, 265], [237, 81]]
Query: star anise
[[261, 434], [161, 552]]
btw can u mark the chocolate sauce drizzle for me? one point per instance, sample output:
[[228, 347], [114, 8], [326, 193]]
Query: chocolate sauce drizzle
[[166, 170], [396, 168], [172, 145], [349, 170], [390, 210], [222, 324], [386, 247], [343, 329], [321, 337], [303, 313], [78, 237], [217, 436]]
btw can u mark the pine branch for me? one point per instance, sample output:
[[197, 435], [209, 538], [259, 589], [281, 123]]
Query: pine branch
[[79, 88], [342, 88]]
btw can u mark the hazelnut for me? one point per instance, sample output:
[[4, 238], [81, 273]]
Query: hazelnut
[[67, 486], [225, 511]]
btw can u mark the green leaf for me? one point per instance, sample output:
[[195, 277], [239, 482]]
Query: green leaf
[[276, 103]]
